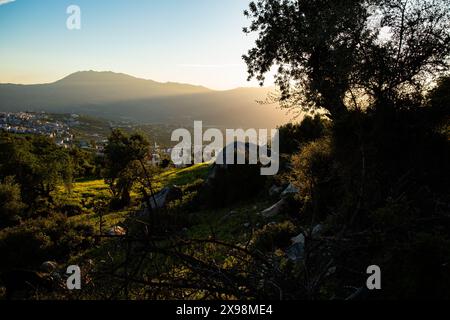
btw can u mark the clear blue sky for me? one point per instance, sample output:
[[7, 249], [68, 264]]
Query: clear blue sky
[[191, 41]]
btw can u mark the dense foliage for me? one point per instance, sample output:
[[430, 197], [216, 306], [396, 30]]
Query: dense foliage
[[364, 179]]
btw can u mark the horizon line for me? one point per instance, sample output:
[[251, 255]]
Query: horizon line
[[138, 78]]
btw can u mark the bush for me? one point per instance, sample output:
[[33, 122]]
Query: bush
[[11, 205], [72, 209], [274, 236], [315, 177], [54, 238], [294, 136]]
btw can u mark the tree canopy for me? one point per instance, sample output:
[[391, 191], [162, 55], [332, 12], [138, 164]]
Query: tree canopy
[[341, 54]]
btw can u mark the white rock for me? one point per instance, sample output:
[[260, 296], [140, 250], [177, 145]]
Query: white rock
[[117, 231], [289, 191], [298, 239]]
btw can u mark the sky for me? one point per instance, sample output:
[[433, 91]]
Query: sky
[[189, 41]]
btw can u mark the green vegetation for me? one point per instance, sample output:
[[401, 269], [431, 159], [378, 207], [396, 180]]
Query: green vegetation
[[362, 181], [183, 176]]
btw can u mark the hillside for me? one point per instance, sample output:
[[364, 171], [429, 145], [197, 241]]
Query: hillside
[[120, 96]]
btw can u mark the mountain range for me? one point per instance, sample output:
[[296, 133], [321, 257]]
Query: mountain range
[[119, 96]]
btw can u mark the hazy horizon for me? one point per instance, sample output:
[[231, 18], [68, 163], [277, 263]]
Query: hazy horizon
[[136, 77]]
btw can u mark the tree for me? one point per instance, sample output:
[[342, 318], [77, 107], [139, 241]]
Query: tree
[[83, 162], [38, 165], [439, 101], [125, 157], [11, 205], [294, 136], [340, 54]]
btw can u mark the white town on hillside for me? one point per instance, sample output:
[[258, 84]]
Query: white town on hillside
[[61, 130]]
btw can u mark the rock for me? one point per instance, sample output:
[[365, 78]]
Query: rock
[[247, 225], [317, 230], [291, 190], [275, 191], [274, 210], [165, 196], [297, 250], [117, 231], [230, 182], [299, 239], [49, 266]]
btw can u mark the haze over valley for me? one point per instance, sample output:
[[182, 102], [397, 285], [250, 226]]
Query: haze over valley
[[118, 96]]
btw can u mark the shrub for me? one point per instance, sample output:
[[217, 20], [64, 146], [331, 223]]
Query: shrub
[[314, 175], [294, 136], [274, 236], [72, 209], [54, 238], [11, 205]]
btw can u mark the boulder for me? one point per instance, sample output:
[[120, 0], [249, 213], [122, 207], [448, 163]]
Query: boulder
[[165, 196], [228, 182], [274, 210], [297, 250], [117, 231], [299, 239], [49, 266], [290, 191]]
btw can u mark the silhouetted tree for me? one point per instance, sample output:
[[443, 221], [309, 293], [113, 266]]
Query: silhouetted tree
[[341, 54]]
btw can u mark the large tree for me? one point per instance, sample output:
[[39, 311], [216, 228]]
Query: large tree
[[337, 54], [38, 165], [125, 163]]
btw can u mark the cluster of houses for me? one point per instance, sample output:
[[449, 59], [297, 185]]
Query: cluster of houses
[[36, 123], [41, 123]]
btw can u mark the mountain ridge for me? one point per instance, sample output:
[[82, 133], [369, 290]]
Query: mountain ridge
[[118, 95]]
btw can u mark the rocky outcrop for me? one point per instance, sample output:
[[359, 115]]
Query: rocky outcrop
[[274, 210], [166, 195]]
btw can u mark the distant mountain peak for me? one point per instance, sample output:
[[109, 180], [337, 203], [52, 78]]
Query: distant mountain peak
[[92, 77], [97, 76], [116, 95]]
